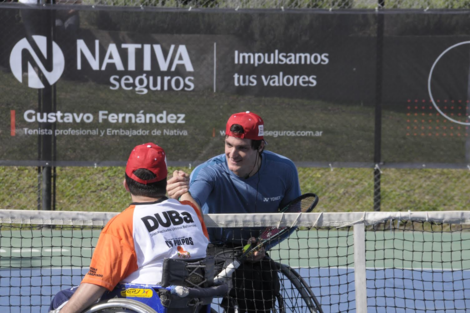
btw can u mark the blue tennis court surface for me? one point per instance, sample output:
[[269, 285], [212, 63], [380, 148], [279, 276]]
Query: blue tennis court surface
[[393, 290], [389, 290], [41, 284]]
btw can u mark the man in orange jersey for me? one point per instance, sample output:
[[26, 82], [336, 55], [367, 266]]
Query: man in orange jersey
[[133, 244]]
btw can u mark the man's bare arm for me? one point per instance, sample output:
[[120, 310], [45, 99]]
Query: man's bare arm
[[84, 296], [187, 197]]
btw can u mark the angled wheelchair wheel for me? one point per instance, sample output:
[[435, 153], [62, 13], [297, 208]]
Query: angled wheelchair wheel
[[295, 294], [120, 305], [279, 305]]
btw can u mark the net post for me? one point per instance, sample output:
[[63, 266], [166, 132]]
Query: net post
[[360, 267], [48, 105], [378, 106]]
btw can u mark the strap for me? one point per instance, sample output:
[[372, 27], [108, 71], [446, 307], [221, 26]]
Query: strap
[[209, 269]]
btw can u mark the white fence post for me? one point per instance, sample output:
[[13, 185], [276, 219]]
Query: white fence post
[[360, 268]]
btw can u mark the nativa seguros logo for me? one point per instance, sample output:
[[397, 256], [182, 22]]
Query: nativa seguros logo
[[34, 81], [122, 59]]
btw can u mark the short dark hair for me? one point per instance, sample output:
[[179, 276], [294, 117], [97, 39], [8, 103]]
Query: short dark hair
[[153, 190], [238, 129]]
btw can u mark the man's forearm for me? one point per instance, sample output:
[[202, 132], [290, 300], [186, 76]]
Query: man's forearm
[[187, 197], [86, 295]]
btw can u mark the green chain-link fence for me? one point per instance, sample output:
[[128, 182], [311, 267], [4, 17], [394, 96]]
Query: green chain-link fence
[[276, 4], [340, 188]]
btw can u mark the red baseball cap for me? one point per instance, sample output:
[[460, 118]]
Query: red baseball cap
[[148, 156], [252, 124]]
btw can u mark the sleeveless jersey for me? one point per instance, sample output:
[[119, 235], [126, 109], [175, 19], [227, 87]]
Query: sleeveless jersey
[[133, 244]]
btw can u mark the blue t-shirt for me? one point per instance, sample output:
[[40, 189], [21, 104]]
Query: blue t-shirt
[[219, 190]]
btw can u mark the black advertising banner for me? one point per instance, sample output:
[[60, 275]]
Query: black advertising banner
[[89, 84], [426, 89]]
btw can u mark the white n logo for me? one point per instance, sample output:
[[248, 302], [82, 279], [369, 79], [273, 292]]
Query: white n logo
[[33, 78]]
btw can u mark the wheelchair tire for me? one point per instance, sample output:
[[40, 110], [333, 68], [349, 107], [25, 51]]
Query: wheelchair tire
[[120, 305], [302, 299], [279, 306]]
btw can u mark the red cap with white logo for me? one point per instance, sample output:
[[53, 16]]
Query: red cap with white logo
[[148, 156], [252, 124]]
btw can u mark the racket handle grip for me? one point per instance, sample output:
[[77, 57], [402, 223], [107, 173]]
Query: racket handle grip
[[226, 273]]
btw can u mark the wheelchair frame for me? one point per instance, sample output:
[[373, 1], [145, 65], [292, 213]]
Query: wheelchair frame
[[112, 305], [144, 298]]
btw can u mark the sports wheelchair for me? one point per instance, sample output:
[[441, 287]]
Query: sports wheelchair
[[197, 276]]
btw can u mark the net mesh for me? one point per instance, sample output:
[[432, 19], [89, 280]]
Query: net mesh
[[414, 262]]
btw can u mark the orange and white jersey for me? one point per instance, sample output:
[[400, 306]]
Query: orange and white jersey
[[133, 244]]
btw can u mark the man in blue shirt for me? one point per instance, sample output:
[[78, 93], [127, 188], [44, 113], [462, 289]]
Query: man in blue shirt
[[245, 179]]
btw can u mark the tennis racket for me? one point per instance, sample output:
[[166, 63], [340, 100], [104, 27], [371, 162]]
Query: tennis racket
[[271, 235]]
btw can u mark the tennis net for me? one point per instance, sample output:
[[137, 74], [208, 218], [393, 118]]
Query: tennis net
[[346, 262]]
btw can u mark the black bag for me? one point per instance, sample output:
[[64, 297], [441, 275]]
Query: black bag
[[188, 273]]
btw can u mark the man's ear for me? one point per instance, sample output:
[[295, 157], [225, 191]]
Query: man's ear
[[261, 146], [124, 183]]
